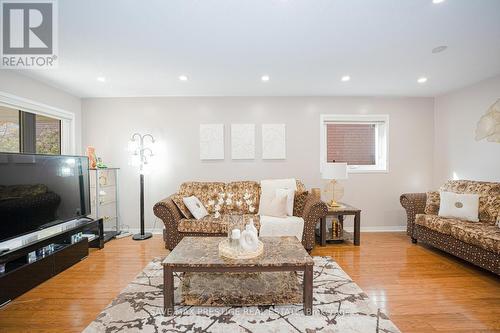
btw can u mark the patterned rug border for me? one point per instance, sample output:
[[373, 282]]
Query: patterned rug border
[[339, 305]]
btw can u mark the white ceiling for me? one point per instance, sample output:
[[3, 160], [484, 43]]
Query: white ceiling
[[305, 46]]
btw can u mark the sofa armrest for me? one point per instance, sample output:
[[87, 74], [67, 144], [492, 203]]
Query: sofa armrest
[[314, 210], [413, 203], [168, 212]]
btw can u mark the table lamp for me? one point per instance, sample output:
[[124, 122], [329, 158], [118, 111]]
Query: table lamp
[[334, 172]]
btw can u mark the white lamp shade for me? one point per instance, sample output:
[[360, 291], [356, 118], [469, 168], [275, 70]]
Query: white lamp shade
[[334, 171]]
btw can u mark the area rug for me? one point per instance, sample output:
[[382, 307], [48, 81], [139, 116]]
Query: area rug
[[339, 305]]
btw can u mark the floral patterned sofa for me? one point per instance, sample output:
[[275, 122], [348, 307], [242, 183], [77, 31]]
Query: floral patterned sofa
[[245, 197], [476, 242]]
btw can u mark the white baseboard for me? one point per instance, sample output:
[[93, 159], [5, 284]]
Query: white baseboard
[[385, 228]]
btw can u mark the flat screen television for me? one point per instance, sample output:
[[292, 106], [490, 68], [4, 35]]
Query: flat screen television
[[39, 191]]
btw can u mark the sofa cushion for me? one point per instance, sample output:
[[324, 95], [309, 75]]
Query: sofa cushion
[[436, 223], [205, 191], [281, 227], [177, 199], [300, 187], [211, 225], [277, 207], [432, 203], [299, 203], [195, 206], [290, 197], [489, 192], [246, 196], [480, 234], [268, 189], [464, 206], [207, 225]]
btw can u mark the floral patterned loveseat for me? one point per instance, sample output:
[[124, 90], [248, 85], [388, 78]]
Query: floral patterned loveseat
[[476, 242], [245, 196]]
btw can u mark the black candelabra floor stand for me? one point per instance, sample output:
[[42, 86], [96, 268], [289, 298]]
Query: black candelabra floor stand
[[142, 235]]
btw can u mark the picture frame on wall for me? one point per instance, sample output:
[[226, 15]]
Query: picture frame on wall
[[242, 141], [211, 141], [273, 141]]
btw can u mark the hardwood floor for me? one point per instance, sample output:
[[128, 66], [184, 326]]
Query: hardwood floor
[[421, 289]]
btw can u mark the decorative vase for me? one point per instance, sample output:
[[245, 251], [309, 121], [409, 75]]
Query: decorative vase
[[249, 242], [251, 227], [92, 157]]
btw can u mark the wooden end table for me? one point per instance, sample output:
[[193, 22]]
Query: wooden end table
[[201, 254], [340, 212]]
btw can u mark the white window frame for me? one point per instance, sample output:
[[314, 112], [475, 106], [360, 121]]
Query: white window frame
[[68, 142], [381, 139]]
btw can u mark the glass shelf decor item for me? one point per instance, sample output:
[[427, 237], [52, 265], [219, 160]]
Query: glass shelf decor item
[[104, 200]]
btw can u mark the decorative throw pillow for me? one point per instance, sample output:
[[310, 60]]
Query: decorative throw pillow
[[299, 203], [461, 206], [268, 189], [277, 207], [195, 207], [290, 196], [177, 199], [432, 203]]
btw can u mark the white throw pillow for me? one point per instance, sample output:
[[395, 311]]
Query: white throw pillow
[[460, 206], [268, 190], [195, 207], [275, 207], [290, 197]]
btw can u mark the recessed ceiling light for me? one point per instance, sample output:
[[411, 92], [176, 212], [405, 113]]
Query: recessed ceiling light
[[422, 79], [439, 49], [101, 79], [265, 78], [183, 77], [345, 78], [438, 1]]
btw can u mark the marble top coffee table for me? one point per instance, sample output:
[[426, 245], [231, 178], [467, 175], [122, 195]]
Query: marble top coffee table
[[201, 254]]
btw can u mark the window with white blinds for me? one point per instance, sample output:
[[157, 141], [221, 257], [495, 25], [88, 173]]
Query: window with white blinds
[[361, 141]]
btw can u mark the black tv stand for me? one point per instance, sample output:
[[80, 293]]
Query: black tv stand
[[22, 274]]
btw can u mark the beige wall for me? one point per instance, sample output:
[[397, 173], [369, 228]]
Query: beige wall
[[455, 150], [25, 87], [429, 140], [108, 124]]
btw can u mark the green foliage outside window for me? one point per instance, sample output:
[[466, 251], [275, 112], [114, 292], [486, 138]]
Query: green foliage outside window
[[9, 137]]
